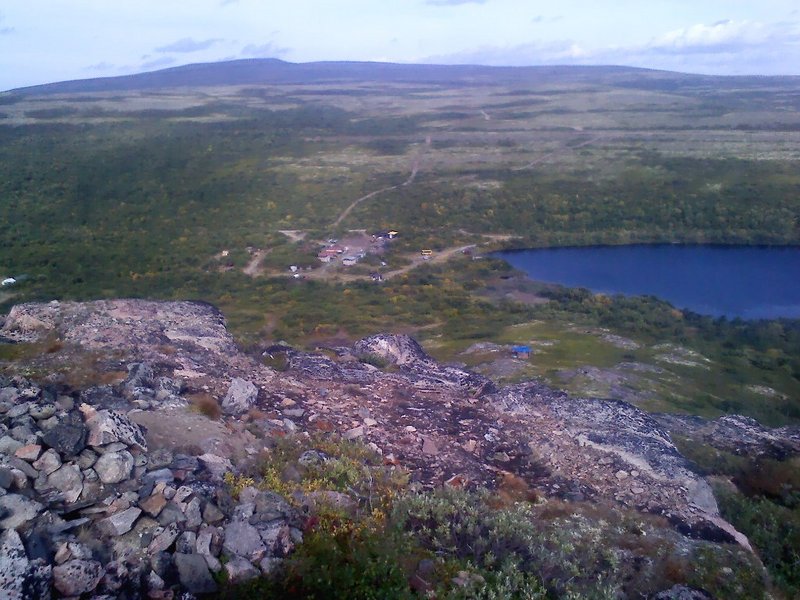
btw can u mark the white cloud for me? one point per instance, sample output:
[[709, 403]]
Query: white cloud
[[725, 46], [188, 45], [267, 50]]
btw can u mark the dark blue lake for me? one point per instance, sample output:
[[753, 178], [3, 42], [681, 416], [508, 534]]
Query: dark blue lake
[[751, 282]]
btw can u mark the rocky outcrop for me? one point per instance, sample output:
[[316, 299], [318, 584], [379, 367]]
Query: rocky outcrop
[[107, 517], [75, 461], [736, 434], [406, 353]]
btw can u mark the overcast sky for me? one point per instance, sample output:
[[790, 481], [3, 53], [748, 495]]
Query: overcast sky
[[53, 40]]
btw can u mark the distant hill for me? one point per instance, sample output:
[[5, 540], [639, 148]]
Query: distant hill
[[270, 70]]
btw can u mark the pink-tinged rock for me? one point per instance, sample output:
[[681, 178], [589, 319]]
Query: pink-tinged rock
[[29, 453], [429, 447], [77, 577]]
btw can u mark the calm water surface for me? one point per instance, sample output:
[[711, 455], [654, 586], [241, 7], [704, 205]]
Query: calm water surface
[[750, 282]]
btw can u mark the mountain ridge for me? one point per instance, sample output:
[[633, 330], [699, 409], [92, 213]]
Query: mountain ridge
[[271, 70]]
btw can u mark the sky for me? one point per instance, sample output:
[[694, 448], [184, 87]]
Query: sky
[[43, 41]]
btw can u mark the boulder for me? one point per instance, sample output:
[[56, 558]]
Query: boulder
[[193, 573], [77, 577], [240, 398], [110, 426], [242, 539], [114, 467]]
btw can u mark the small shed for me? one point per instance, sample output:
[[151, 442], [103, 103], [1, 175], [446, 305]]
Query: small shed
[[521, 351], [349, 261]]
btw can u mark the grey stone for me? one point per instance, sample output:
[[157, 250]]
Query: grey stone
[[186, 543], [86, 458], [140, 378], [216, 465], [8, 445], [194, 516], [9, 394], [240, 398], [240, 570], [193, 573], [115, 577], [48, 462], [6, 478], [42, 411], [212, 514], [242, 539], [114, 467], [18, 410], [14, 566], [65, 403], [48, 424], [161, 475], [270, 506], [24, 434], [68, 437], [16, 510], [154, 582], [112, 447], [164, 539], [77, 577], [269, 564], [158, 459], [110, 426], [67, 480], [40, 577], [355, 432], [277, 539], [119, 523], [171, 513], [185, 462], [312, 458], [21, 465]]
